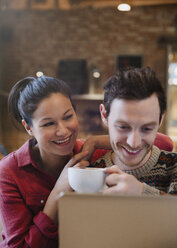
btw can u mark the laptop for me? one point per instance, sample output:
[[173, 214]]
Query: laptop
[[112, 221]]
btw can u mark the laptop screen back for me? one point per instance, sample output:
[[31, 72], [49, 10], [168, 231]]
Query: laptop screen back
[[110, 221]]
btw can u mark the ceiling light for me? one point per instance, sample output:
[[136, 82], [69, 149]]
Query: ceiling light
[[96, 73], [39, 74], [124, 7]]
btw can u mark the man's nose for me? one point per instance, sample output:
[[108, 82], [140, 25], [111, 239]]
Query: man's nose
[[134, 139]]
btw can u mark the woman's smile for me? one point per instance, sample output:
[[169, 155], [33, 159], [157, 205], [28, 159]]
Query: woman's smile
[[62, 142]]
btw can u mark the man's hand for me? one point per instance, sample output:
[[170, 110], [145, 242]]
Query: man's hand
[[121, 183]]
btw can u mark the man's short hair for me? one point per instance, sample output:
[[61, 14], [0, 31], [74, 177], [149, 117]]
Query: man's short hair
[[134, 84]]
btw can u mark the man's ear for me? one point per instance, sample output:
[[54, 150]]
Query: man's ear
[[27, 127], [103, 114]]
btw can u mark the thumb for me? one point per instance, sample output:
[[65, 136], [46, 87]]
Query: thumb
[[113, 169], [83, 164], [77, 158]]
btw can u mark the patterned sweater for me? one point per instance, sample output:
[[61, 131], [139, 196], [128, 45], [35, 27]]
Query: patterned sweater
[[159, 173]]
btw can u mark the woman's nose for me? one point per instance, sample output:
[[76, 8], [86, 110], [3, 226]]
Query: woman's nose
[[61, 130], [134, 139]]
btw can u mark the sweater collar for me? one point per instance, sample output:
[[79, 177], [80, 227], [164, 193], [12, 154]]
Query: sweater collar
[[143, 169]]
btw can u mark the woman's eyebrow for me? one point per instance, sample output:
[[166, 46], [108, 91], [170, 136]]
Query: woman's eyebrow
[[50, 118], [67, 111], [121, 122]]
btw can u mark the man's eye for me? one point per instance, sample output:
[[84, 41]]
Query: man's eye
[[147, 129], [67, 117]]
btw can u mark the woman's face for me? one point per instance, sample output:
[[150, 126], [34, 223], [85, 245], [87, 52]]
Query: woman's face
[[55, 125]]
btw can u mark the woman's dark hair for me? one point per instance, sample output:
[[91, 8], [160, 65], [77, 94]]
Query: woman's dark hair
[[134, 84], [27, 93]]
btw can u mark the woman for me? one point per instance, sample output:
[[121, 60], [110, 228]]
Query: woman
[[32, 177]]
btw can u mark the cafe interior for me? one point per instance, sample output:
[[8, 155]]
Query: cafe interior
[[84, 42]]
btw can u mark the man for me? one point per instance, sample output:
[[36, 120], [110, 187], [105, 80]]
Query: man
[[133, 110]]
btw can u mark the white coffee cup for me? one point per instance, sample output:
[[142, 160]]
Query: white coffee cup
[[87, 180]]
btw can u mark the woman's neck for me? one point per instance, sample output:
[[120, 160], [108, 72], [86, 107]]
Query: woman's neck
[[53, 164]]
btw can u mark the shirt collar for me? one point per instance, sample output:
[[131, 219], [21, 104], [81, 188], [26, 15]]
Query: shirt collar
[[23, 154]]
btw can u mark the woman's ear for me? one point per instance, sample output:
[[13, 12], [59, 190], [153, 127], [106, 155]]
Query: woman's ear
[[163, 115], [27, 127], [103, 114]]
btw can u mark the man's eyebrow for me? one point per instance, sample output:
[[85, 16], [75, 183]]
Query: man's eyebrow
[[152, 123]]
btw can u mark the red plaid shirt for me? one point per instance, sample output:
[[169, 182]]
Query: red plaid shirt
[[24, 189]]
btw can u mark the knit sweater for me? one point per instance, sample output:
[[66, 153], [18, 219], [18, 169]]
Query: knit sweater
[[159, 173]]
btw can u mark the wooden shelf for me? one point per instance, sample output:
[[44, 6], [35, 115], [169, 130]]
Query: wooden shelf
[[98, 97], [4, 93]]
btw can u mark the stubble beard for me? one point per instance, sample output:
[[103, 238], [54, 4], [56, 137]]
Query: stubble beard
[[123, 163]]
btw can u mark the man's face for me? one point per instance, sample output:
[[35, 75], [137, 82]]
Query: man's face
[[132, 125]]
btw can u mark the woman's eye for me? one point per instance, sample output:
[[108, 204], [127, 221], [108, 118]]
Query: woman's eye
[[67, 117], [48, 124], [123, 127]]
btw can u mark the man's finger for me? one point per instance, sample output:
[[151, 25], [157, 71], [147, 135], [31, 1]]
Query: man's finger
[[112, 179], [111, 190], [113, 169]]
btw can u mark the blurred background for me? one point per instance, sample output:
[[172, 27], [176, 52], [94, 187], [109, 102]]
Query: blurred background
[[84, 42]]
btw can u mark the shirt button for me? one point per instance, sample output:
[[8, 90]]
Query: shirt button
[[42, 201]]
